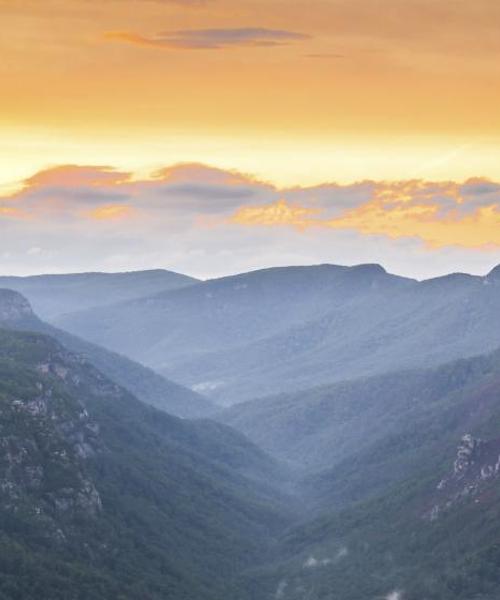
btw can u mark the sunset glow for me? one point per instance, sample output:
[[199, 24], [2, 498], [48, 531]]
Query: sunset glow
[[294, 98]]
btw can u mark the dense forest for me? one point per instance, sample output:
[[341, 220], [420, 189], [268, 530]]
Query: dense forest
[[384, 486]]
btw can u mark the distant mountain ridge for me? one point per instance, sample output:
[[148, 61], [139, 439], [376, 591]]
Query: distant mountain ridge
[[53, 295], [286, 329]]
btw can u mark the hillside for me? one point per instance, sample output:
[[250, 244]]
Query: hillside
[[54, 295], [289, 329], [104, 497], [205, 335], [320, 427], [148, 386], [351, 441], [434, 535], [390, 507], [396, 546], [412, 515]]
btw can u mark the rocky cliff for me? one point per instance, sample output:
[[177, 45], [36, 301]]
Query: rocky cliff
[[476, 465]]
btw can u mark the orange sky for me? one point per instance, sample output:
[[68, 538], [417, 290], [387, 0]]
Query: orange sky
[[337, 131], [296, 92]]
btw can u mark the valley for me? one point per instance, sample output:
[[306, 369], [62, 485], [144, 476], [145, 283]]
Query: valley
[[379, 485]]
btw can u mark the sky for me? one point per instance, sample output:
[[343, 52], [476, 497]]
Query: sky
[[217, 136]]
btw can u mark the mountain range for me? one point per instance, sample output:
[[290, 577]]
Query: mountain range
[[289, 329], [362, 463]]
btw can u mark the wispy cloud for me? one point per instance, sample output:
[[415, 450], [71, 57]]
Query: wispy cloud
[[210, 39]]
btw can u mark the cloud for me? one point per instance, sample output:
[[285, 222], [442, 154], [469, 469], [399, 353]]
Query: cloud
[[276, 213], [110, 212], [75, 175], [193, 172], [210, 39], [209, 221], [71, 190], [438, 213]]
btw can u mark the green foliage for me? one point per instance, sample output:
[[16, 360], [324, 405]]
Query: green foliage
[[185, 505]]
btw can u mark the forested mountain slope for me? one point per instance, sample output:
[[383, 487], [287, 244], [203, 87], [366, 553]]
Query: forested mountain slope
[[102, 496], [412, 515], [148, 386]]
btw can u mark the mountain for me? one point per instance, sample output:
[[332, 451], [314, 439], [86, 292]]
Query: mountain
[[318, 428], [352, 440], [235, 337], [102, 496], [391, 488], [287, 329], [412, 513], [54, 295], [426, 538], [148, 386]]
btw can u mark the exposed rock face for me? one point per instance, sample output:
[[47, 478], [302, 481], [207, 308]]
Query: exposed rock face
[[468, 453], [477, 463], [13, 307], [46, 438]]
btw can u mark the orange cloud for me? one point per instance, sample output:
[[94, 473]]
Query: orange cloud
[[480, 229], [196, 172], [211, 39], [276, 213], [75, 175], [111, 212], [440, 214]]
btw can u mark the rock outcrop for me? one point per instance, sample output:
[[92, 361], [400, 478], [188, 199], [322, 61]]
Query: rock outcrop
[[477, 463]]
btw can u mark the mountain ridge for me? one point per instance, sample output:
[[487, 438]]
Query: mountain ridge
[[54, 294], [289, 328]]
